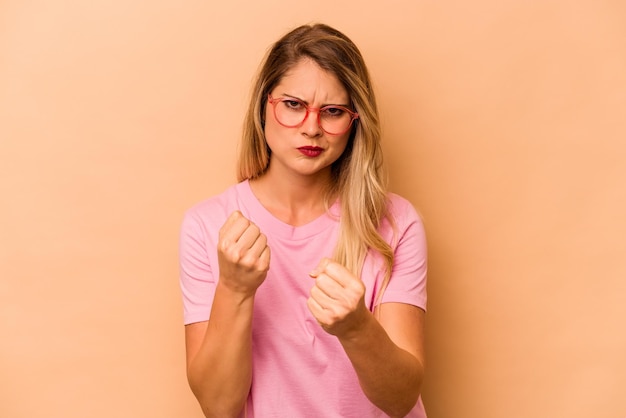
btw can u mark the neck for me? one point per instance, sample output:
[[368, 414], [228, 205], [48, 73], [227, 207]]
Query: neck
[[295, 200]]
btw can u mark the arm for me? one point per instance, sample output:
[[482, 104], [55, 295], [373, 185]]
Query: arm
[[219, 355], [387, 355], [219, 358]]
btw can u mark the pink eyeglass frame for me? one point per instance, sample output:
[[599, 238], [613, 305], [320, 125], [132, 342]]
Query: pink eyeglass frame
[[353, 115]]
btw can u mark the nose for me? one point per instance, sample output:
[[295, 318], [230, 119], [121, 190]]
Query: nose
[[311, 126]]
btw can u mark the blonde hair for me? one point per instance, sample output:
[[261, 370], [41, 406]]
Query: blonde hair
[[358, 177]]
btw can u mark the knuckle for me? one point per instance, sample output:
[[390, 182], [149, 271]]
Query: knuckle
[[223, 245], [254, 228], [357, 287], [235, 254], [335, 317]]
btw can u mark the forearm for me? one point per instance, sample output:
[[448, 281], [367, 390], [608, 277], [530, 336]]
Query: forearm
[[389, 376], [220, 373]]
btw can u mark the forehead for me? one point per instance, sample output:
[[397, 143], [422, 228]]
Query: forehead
[[308, 81]]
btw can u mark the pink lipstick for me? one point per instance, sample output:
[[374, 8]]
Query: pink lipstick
[[311, 151]]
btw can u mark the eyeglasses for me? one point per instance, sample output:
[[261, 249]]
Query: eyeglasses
[[332, 119]]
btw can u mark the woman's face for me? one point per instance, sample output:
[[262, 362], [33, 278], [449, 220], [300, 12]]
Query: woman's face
[[305, 150]]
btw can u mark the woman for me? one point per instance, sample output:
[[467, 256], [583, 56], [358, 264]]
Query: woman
[[304, 284]]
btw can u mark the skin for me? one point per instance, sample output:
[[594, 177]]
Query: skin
[[386, 353], [292, 187]]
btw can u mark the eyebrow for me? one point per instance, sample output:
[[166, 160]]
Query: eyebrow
[[290, 96]]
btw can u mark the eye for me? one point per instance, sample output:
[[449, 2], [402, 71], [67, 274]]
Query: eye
[[293, 104], [333, 112]]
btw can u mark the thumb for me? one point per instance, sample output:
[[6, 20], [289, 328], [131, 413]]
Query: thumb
[[321, 266]]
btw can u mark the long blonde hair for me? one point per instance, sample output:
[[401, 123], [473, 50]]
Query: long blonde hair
[[358, 177]]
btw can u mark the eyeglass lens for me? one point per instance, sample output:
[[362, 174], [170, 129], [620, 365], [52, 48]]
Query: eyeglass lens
[[332, 119]]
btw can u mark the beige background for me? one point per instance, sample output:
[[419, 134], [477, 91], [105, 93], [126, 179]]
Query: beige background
[[504, 124]]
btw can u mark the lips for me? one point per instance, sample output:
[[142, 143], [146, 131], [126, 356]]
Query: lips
[[311, 151]]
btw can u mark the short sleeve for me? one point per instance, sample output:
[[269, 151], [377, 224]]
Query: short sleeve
[[408, 277], [196, 276]]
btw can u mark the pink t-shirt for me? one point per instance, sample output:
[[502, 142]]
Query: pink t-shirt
[[298, 370]]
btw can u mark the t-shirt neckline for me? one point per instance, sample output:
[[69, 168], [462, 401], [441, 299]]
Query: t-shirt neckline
[[266, 221]]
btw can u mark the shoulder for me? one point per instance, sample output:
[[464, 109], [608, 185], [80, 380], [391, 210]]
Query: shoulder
[[402, 220], [402, 211], [214, 210]]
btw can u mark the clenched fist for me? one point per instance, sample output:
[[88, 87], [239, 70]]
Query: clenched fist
[[243, 254], [337, 298]]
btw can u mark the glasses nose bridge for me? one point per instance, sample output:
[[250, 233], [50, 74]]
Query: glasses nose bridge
[[311, 109]]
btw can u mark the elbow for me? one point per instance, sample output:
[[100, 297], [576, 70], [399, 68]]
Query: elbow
[[220, 407], [397, 406], [402, 409], [215, 403], [414, 390], [401, 402], [213, 412], [402, 412]]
